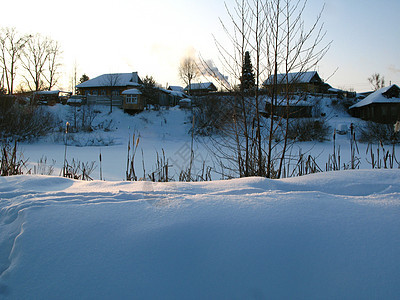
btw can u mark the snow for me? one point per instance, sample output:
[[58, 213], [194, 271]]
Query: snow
[[333, 90], [117, 79], [331, 235], [132, 92], [75, 100], [168, 130], [56, 92], [175, 88], [200, 86], [298, 77], [377, 97], [324, 236]]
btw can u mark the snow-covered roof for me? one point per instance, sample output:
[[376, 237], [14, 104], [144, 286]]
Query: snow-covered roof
[[47, 92], [115, 79], [333, 90], [201, 86], [383, 95], [178, 94], [175, 88], [298, 77], [75, 100], [132, 92]]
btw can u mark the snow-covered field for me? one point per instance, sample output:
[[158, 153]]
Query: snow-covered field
[[167, 130], [332, 235]]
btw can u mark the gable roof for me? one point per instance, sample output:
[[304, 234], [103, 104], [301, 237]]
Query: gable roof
[[297, 77], [175, 88], [202, 86], [388, 94], [114, 79]]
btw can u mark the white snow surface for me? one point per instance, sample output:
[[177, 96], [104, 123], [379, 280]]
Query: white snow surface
[[131, 92], [333, 235]]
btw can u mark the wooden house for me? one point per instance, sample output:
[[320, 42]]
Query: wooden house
[[300, 82], [200, 89], [133, 100], [103, 88], [382, 106]]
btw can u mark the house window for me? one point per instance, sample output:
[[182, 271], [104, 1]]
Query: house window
[[115, 92], [131, 99], [103, 92]]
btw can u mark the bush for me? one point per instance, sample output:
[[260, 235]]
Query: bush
[[375, 132], [211, 114], [81, 118], [10, 162], [23, 122], [303, 130]]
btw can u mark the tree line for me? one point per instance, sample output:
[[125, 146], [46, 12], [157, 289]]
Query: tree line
[[33, 59]]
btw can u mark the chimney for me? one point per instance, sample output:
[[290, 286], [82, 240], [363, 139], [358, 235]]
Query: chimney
[[135, 77]]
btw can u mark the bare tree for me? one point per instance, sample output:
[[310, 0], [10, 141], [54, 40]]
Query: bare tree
[[74, 79], [11, 46], [111, 81], [377, 81], [292, 48], [36, 55], [188, 70], [53, 64]]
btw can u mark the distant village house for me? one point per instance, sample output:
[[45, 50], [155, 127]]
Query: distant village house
[[300, 82], [200, 89], [103, 88], [381, 106]]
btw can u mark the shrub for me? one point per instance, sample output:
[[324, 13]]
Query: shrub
[[375, 132], [23, 122], [211, 114], [81, 118], [10, 162], [303, 130]]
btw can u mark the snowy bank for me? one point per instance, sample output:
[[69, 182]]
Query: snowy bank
[[333, 235]]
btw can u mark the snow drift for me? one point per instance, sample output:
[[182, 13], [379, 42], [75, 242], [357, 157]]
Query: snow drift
[[324, 236]]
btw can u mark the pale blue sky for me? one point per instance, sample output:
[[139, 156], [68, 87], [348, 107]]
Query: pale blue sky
[[151, 36]]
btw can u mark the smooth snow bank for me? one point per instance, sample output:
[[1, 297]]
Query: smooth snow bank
[[332, 235]]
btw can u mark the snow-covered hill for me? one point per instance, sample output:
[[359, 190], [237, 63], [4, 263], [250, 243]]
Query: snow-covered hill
[[331, 235]]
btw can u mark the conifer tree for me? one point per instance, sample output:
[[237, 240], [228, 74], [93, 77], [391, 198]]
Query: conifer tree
[[83, 78], [247, 80]]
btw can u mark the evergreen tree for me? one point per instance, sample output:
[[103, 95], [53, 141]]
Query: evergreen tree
[[83, 78], [247, 80], [150, 91]]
